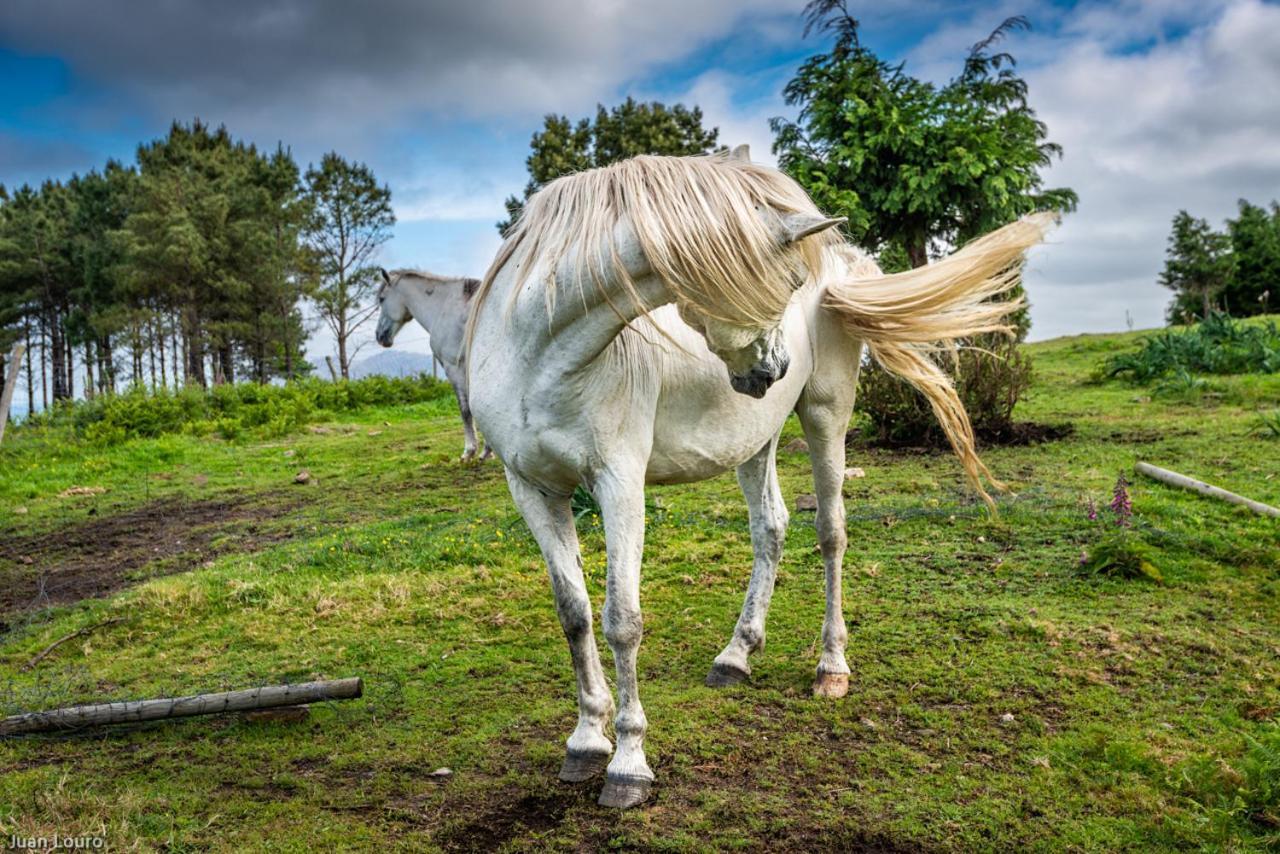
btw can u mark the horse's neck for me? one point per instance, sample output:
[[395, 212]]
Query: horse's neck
[[585, 318], [443, 314]]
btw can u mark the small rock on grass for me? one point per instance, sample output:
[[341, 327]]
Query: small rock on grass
[[1007, 718], [806, 502], [72, 491], [854, 472], [303, 477], [796, 446], [440, 775]]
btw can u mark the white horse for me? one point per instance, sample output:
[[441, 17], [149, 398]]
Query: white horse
[[583, 373], [440, 304]]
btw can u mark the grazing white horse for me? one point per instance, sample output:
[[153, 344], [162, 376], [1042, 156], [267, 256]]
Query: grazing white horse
[[583, 372], [440, 304]]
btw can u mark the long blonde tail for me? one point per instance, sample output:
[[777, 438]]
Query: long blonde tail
[[905, 318]]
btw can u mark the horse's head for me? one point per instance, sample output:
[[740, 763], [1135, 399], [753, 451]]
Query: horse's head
[[393, 309], [755, 356]]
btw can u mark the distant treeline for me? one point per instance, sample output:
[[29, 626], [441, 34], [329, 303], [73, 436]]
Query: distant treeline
[[1236, 270], [189, 267]]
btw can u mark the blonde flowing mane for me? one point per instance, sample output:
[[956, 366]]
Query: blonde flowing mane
[[698, 223]]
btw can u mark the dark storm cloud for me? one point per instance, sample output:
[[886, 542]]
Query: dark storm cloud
[[342, 61]]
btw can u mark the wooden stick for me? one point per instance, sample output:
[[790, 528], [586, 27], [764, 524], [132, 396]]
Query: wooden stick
[[60, 641], [1181, 480], [10, 383], [180, 707]]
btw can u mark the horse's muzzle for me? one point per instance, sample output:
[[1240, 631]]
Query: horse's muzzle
[[756, 381]]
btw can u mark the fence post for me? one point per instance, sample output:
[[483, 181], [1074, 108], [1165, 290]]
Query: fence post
[[10, 383]]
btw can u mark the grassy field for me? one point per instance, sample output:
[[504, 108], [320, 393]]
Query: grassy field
[[1001, 699]]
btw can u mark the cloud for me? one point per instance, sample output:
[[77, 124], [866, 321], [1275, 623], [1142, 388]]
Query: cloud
[[1188, 123], [332, 63]]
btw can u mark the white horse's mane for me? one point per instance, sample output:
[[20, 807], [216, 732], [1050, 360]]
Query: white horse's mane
[[698, 223], [424, 274]]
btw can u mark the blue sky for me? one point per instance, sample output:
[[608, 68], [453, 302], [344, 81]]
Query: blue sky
[[1160, 104]]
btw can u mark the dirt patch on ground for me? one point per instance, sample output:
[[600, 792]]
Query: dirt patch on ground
[[99, 556], [1014, 434]]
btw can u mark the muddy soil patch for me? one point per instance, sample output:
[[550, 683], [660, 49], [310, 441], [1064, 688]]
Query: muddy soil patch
[[99, 556], [1014, 434]]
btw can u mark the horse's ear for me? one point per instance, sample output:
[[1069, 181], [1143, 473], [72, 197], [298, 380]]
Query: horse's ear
[[386, 277], [741, 152], [798, 226]]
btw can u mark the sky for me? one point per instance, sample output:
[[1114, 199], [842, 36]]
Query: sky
[[1159, 105]]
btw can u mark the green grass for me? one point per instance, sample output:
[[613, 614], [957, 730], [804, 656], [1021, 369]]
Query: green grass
[[1143, 715]]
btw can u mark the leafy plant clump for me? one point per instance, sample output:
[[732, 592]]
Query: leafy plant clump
[[989, 382], [232, 410], [1119, 552], [1219, 345], [1247, 789]]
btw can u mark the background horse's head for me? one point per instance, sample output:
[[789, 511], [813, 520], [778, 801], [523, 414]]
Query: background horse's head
[[393, 309]]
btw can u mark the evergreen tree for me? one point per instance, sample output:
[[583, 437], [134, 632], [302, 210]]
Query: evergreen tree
[[1254, 283], [1197, 266], [563, 147]]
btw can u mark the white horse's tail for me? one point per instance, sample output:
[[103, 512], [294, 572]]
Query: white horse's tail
[[905, 317]]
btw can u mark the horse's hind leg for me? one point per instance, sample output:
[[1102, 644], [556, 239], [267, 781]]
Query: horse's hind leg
[[551, 521], [824, 425], [468, 426], [758, 478]]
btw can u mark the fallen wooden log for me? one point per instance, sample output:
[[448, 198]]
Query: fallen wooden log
[[1181, 480], [100, 714]]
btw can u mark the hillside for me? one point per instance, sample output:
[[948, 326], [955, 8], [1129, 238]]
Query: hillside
[[1001, 699]]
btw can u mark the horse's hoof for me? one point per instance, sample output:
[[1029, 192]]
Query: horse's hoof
[[724, 675], [833, 685], [621, 792], [579, 767]]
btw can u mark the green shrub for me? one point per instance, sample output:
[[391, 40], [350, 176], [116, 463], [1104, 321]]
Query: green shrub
[[232, 411], [989, 378], [1219, 345], [1247, 789]]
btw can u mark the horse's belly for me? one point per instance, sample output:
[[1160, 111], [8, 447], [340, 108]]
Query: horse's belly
[[704, 428]]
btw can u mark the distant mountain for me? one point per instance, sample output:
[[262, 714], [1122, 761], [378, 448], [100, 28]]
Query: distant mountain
[[390, 363]]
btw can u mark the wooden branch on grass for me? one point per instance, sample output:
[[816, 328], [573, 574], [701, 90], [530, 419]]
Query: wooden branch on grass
[[100, 714], [1181, 480], [10, 383], [40, 656]]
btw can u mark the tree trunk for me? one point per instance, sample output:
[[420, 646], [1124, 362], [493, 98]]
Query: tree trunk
[[44, 364], [195, 349], [174, 352], [918, 252], [1208, 304], [226, 363], [157, 324], [88, 369], [71, 357], [31, 378], [151, 349], [342, 351], [58, 356]]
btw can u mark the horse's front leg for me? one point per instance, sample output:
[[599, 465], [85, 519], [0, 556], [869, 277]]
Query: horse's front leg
[[622, 506], [758, 478], [550, 518]]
